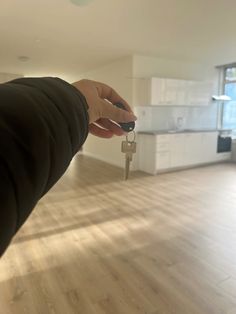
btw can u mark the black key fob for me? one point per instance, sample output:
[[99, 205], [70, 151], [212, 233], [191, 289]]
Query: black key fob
[[126, 126]]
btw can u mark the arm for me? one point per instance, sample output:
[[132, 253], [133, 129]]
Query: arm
[[43, 123]]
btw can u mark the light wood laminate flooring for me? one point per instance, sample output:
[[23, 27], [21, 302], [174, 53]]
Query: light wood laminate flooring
[[96, 244]]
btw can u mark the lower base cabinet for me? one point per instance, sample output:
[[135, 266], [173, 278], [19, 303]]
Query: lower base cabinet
[[158, 153], [162, 160]]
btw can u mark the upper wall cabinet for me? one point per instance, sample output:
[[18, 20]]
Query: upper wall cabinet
[[171, 92]]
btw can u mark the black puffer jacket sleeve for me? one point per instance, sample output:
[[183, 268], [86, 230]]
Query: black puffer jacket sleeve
[[43, 123]]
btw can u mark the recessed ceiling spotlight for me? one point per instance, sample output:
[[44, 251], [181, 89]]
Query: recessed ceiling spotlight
[[23, 58], [81, 2]]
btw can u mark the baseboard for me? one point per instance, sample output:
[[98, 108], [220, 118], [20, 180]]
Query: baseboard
[[176, 169]]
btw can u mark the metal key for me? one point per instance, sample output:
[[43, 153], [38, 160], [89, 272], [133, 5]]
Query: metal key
[[126, 126], [129, 148]]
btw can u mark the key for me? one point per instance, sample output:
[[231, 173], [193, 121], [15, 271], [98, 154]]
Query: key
[[129, 148], [126, 126]]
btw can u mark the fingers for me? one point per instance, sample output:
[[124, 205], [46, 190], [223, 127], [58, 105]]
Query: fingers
[[111, 126], [110, 129], [97, 131], [109, 111], [101, 99], [106, 92]]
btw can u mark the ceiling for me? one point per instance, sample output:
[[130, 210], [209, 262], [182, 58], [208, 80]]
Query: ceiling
[[60, 37]]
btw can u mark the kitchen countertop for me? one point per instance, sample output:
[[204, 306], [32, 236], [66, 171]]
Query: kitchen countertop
[[157, 132]]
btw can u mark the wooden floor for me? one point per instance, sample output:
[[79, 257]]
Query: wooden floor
[[153, 245]]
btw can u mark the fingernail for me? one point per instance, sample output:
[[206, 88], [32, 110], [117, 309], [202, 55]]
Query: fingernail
[[133, 117]]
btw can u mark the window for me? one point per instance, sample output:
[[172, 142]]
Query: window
[[230, 82], [229, 108]]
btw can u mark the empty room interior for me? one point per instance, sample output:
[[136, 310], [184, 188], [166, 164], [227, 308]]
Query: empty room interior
[[117, 158]]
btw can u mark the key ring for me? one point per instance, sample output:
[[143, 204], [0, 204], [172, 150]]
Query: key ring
[[134, 136]]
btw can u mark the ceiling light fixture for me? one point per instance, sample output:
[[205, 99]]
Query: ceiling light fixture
[[81, 2], [23, 58]]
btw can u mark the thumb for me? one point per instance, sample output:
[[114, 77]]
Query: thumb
[[110, 111]]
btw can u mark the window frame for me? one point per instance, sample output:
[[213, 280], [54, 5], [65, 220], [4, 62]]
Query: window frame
[[225, 81], [223, 86]]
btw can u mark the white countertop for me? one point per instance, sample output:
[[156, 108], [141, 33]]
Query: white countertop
[[157, 132]]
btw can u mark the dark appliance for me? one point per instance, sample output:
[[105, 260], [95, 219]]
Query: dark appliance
[[224, 144]]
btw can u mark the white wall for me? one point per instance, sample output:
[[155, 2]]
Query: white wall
[[144, 66], [121, 75], [4, 77], [117, 75], [66, 77]]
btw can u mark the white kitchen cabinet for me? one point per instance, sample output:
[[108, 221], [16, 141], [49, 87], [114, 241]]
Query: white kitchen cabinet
[[147, 153], [151, 91], [209, 147], [200, 148], [153, 152], [162, 143], [171, 92], [169, 151], [156, 91], [193, 148], [162, 152], [177, 149], [181, 95], [162, 161]]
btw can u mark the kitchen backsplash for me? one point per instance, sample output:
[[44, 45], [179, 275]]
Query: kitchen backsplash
[[171, 117]]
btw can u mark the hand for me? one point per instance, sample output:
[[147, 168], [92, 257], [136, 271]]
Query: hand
[[102, 113]]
